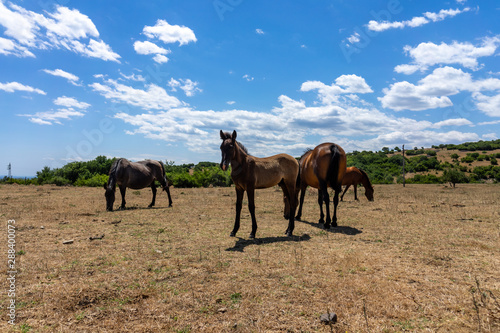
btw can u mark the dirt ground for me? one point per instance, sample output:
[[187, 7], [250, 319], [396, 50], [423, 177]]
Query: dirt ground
[[424, 258]]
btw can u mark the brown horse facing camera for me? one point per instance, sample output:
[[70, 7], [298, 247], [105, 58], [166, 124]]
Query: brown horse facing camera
[[354, 176], [250, 173], [323, 167], [135, 175]]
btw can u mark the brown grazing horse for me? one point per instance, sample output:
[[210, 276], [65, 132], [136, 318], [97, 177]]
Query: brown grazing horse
[[323, 167], [135, 175], [354, 176], [250, 173]]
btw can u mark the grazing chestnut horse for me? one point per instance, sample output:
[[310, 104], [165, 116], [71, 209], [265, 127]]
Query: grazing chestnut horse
[[135, 175], [354, 176], [323, 167], [250, 173]]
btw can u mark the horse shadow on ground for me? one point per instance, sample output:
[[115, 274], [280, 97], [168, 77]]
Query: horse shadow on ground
[[139, 208], [345, 230], [241, 243]]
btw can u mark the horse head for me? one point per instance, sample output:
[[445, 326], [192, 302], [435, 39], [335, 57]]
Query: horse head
[[369, 193], [227, 148], [110, 197]]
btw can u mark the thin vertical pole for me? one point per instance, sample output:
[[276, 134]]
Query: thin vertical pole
[[404, 178]]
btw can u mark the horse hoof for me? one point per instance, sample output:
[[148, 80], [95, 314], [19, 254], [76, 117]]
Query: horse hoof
[[298, 218], [233, 234], [289, 234], [326, 226], [251, 236]]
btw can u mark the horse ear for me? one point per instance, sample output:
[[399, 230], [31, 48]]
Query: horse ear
[[222, 135], [234, 136]]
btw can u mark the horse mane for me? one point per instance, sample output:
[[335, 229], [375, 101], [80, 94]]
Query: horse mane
[[307, 151], [365, 175], [112, 174], [242, 147]]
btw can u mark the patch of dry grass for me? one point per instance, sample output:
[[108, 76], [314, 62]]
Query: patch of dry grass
[[424, 258]]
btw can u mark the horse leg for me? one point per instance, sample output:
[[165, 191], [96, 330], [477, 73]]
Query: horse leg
[[326, 199], [356, 192], [302, 195], [292, 204], [153, 188], [122, 192], [169, 197], [342, 196], [239, 204], [335, 204], [286, 211], [251, 208], [320, 203]]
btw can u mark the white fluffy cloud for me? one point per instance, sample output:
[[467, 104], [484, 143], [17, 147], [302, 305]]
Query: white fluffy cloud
[[72, 108], [62, 29], [54, 117], [345, 84], [147, 47], [71, 102], [490, 105], [152, 97], [16, 86], [9, 47], [433, 90], [415, 21], [73, 79], [464, 54], [289, 125], [189, 87], [169, 33]]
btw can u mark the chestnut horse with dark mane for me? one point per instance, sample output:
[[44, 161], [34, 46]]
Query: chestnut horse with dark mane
[[250, 173], [323, 167], [135, 175], [354, 176]]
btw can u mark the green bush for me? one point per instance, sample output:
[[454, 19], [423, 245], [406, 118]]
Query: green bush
[[58, 180], [94, 181], [467, 159], [454, 176], [424, 179]]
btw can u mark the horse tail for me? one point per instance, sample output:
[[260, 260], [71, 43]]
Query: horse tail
[[333, 168], [163, 173], [297, 182], [112, 174]]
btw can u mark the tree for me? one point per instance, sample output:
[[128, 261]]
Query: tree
[[454, 176]]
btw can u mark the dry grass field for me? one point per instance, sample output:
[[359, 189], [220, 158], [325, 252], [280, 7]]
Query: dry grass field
[[425, 258]]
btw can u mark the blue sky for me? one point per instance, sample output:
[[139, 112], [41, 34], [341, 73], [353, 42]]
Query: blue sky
[[159, 79]]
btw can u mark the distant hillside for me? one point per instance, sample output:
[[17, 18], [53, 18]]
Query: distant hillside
[[473, 161], [478, 161]]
